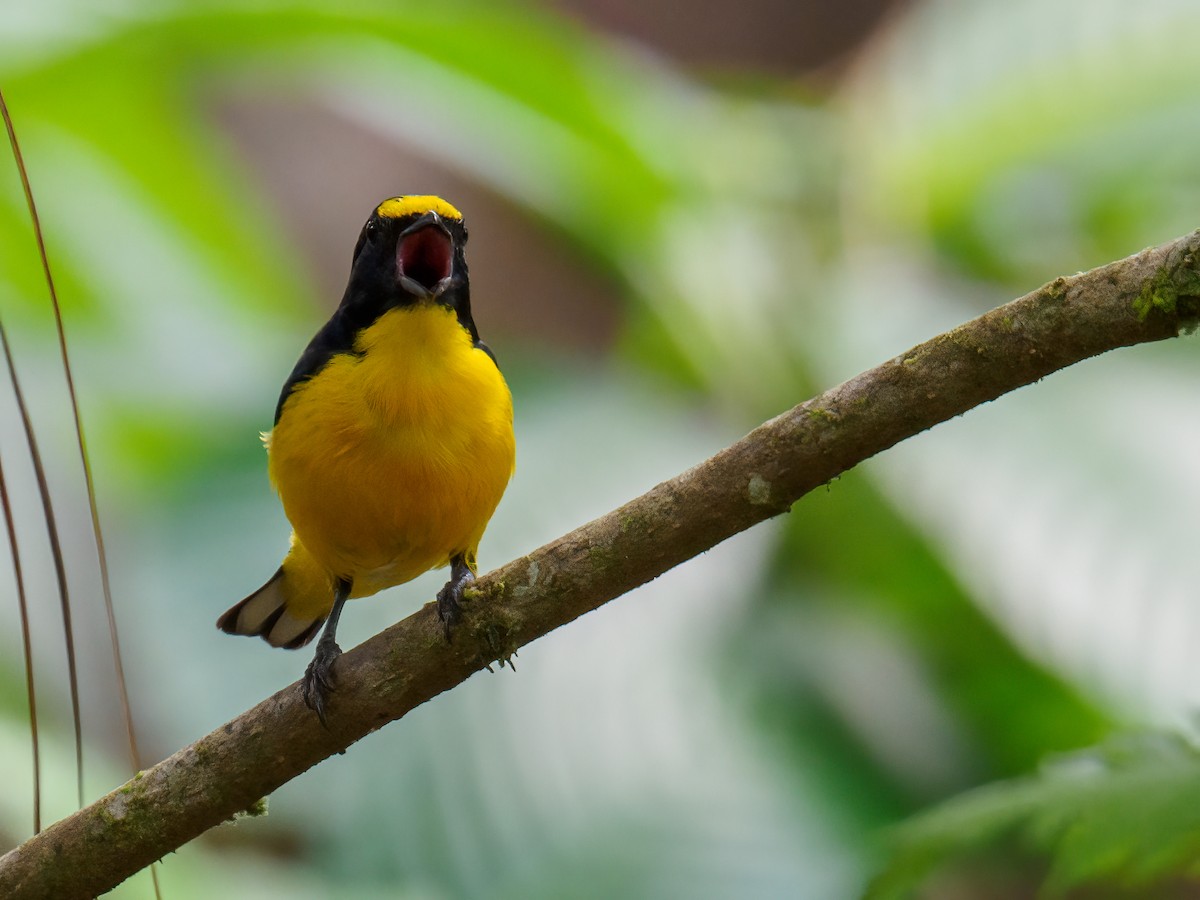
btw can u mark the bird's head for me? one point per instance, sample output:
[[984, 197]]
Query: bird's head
[[411, 251]]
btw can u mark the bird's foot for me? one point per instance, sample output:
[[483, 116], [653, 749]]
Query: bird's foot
[[319, 679], [449, 600]]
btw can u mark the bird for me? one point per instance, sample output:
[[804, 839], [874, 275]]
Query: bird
[[392, 443]]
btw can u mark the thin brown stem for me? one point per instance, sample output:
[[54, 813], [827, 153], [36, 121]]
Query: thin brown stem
[[60, 568], [81, 443], [27, 647]]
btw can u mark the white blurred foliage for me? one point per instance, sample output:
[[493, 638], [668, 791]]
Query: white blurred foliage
[[1066, 508]]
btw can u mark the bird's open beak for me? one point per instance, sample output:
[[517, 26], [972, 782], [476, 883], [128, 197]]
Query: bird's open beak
[[425, 257]]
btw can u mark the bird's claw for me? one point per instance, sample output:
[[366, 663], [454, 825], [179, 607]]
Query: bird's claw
[[319, 679], [449, 602]]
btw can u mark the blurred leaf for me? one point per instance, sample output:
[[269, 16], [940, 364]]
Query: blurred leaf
[[846, 539], [1006, 134], [1126, 812]]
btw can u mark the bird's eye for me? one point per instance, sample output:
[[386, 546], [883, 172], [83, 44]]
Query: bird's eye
[[372, 229]]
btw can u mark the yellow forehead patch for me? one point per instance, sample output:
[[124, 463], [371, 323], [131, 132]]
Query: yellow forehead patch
[[398, 207]]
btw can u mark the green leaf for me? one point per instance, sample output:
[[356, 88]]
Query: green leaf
[[1125, 814]]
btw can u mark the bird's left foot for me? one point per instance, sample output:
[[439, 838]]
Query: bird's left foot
[[449, 598], [319, 680]]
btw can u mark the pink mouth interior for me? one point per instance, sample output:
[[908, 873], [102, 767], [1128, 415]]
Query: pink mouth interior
[[425, 256]]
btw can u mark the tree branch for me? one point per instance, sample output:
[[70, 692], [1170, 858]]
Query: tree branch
[[1147, 297]]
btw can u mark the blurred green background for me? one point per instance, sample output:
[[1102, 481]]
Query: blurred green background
[[685, 218]]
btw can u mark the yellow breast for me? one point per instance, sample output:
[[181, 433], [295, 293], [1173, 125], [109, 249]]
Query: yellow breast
[[391, 460]]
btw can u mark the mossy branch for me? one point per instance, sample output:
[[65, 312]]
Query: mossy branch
[[1147, 297]]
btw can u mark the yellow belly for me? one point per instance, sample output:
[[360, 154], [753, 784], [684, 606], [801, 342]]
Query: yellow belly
[[392, 460]]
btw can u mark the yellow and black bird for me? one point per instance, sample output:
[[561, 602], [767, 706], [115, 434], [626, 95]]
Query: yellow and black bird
[[393, 439]]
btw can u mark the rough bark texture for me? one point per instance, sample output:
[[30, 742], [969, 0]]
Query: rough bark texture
[[1147, 297]]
